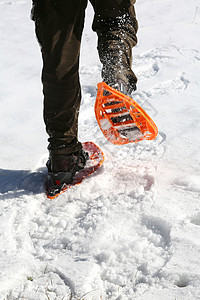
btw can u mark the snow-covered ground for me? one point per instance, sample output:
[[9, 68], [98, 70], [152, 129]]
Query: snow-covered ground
[[132, 230]]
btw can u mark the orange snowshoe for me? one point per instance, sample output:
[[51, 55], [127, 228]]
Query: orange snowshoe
[[120, 118]]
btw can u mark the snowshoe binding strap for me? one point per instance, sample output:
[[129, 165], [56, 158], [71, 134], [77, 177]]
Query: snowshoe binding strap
[[120, 118]]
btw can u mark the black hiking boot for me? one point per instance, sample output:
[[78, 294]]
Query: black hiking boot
[[62, 169]]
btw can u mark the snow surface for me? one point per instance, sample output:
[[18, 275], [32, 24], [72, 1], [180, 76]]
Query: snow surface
[[131, 231]]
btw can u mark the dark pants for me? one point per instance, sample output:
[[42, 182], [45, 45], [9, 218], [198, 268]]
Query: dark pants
[[59, 26]]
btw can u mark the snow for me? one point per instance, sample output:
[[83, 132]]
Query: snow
[[130, 231]]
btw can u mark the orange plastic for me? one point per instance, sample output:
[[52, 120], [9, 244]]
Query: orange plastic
[[133, 123]]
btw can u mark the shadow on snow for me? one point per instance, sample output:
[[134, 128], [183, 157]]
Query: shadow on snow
[[16, 183]]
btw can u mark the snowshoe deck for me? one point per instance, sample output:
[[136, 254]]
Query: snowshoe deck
[[96, 159], [120, 118]]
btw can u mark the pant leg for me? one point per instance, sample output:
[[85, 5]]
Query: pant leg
[[59, 25], [116, 25]]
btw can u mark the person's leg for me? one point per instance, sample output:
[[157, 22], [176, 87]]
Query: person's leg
[[116, 25], [59, 25]]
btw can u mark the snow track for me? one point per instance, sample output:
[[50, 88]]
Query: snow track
[[130, 231]]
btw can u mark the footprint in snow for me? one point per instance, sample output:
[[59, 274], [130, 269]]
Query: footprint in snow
[[182, 281], [160, 228], [147, 70], [190, 183], [195, 219]]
